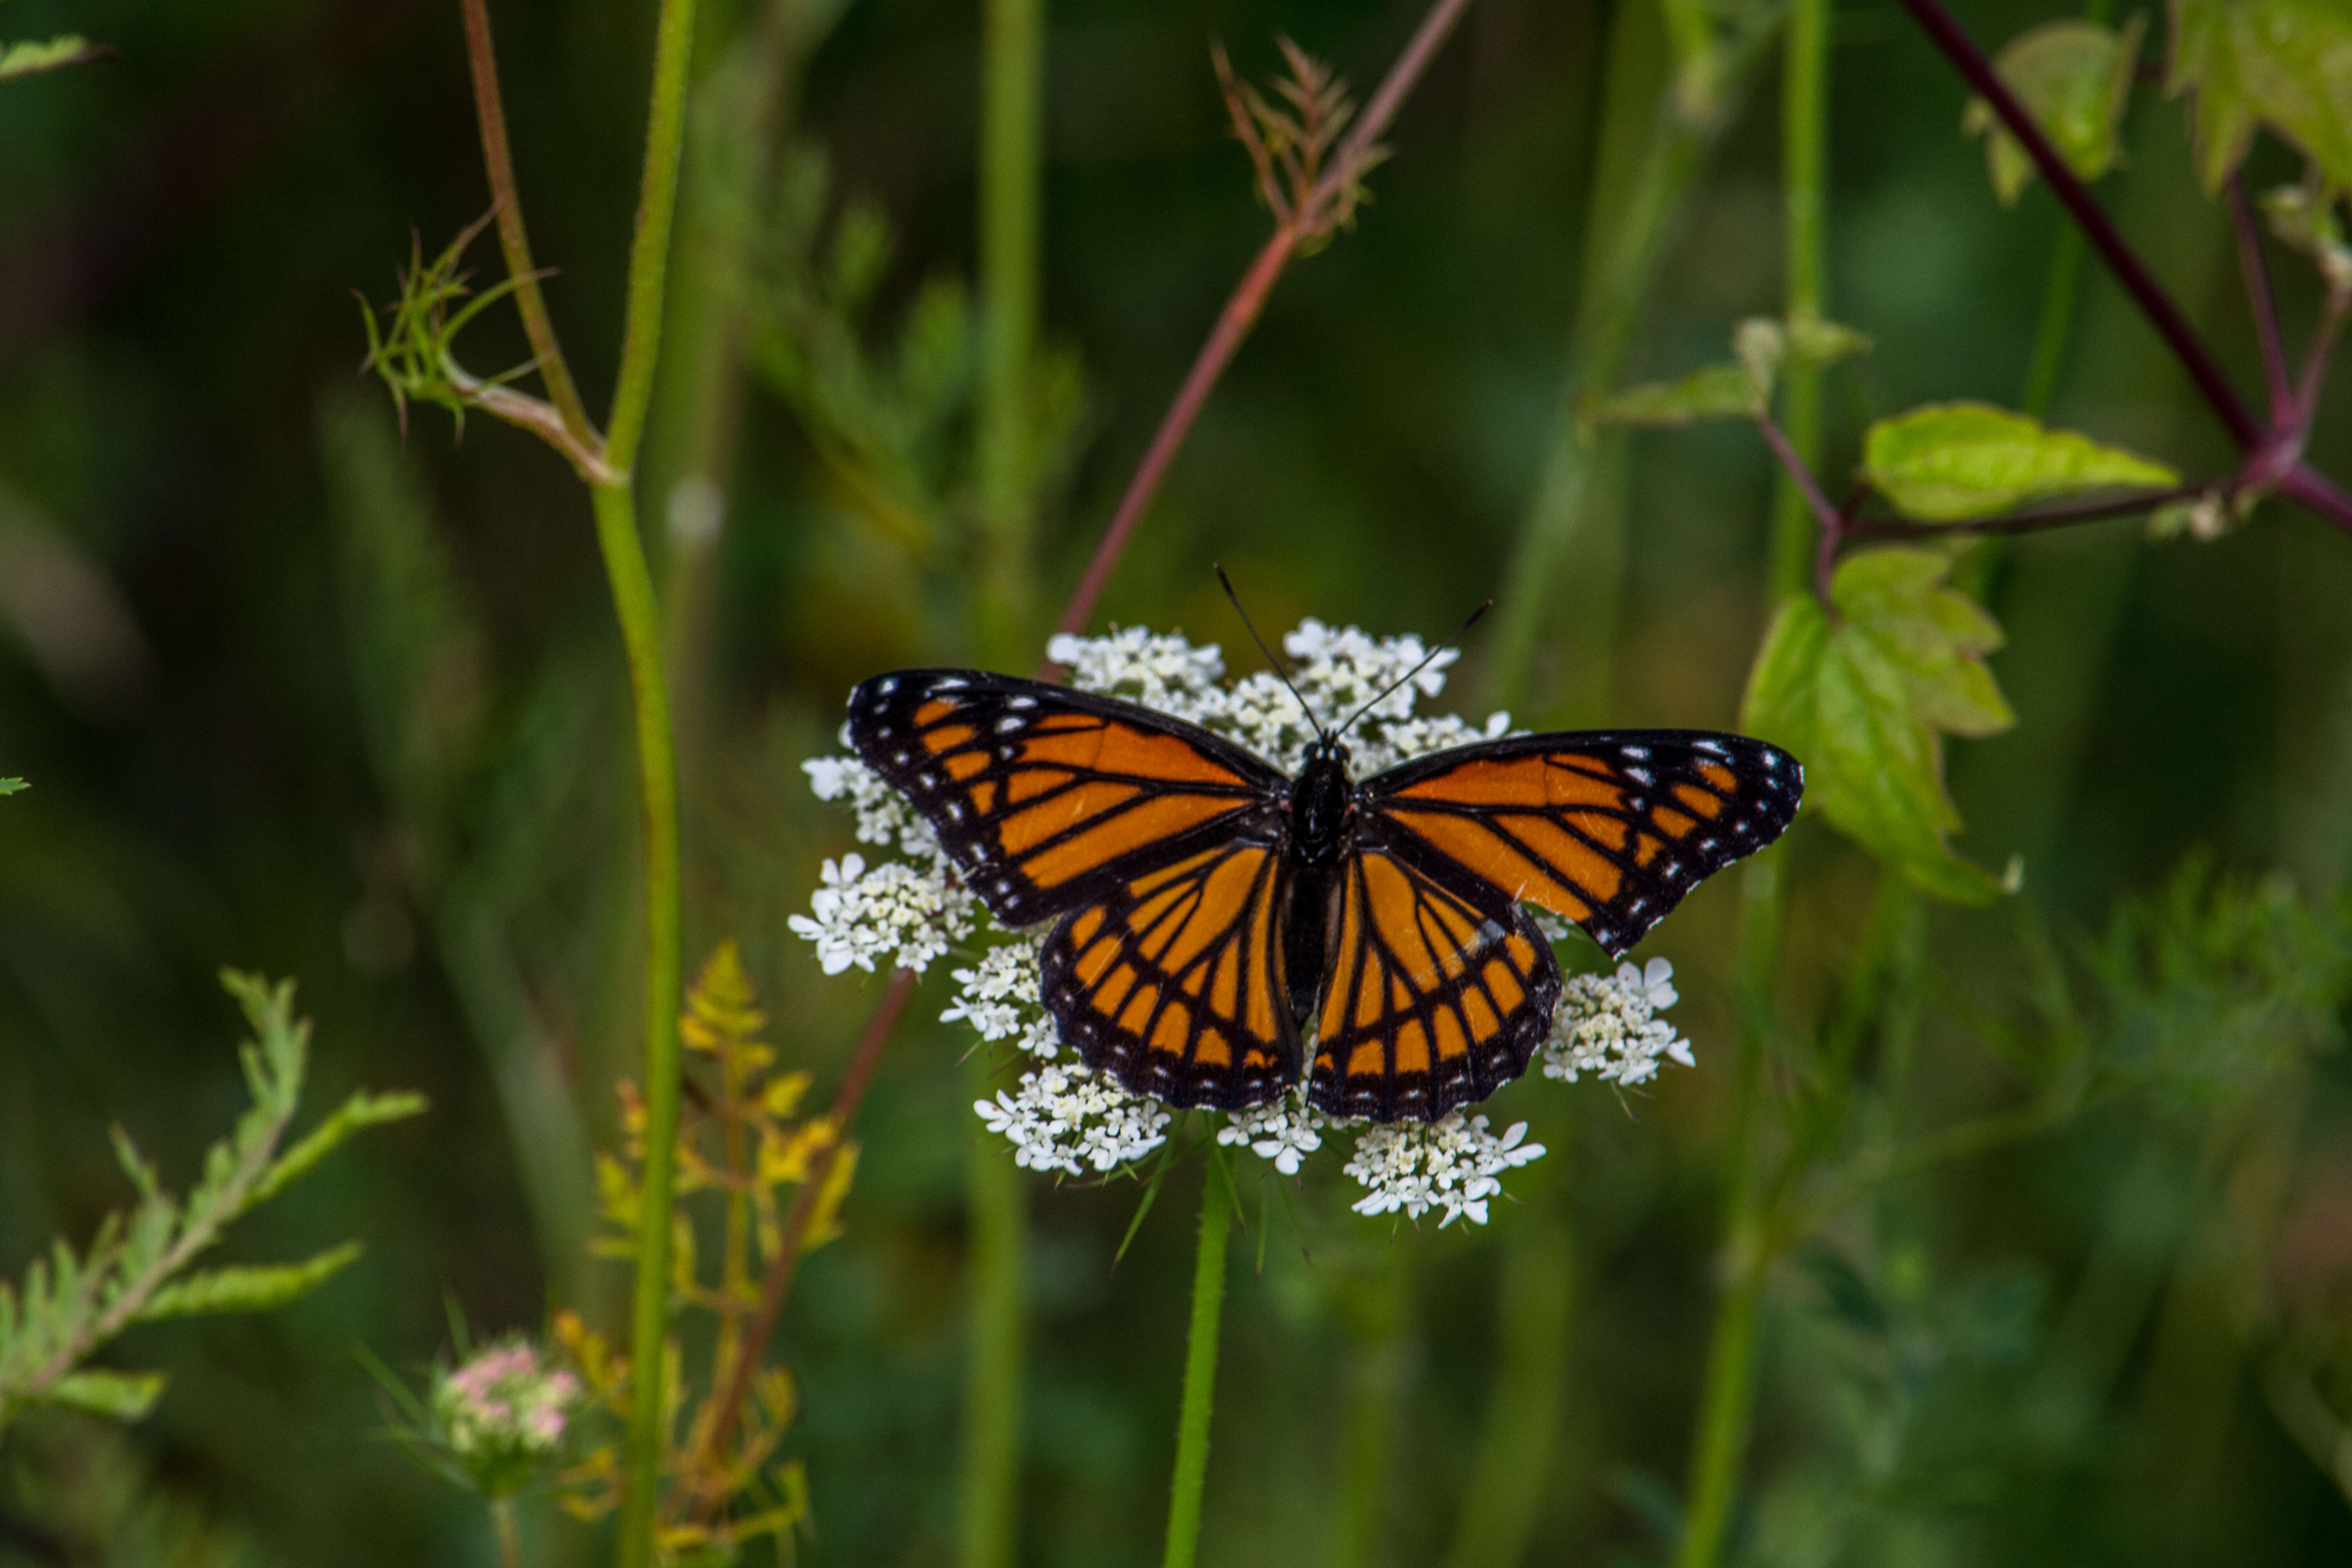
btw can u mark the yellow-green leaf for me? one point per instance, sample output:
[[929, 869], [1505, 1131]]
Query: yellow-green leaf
[[1949, 462], [10, 787], [29, 59], [2283, 64], [1865, 698], [1716, 392], [246, 1289], [2075, 79], [123, 1396]]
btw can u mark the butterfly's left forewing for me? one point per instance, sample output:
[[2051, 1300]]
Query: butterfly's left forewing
[[1048, 799], [1607, 829]]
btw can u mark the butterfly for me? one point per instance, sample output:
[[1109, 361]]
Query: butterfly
[[1213, 915]]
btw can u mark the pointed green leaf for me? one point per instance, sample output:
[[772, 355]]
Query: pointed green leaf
[[2075, 79], [2283, 64], [10, 787], [29, 59], [359, 1111], [124, 1395], [1949, 462], [1716, 392], [1864, 699], [261, 1289]]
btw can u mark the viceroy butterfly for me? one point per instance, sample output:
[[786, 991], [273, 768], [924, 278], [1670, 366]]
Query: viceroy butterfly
[[1214, 913]]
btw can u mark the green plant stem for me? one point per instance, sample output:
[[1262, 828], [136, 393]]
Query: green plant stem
[[633, 603], [1185, 1486], [1804, 176], [996, 1196], [1726, 1392], [1375, 1310], [510, 1546], [1511, 1476], [622, 547], [1649, 156], [1012, 70]]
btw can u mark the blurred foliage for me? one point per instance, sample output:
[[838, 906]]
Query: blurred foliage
[[326, 703]]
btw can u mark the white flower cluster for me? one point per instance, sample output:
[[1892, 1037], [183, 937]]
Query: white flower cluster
[[907, 914], [910, 908], [1284, 1131], [1166, 674], [1608, 1024], [1000, 997], [1070, 1118], [1452, 1162]]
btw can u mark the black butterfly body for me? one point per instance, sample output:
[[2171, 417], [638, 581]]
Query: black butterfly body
[[1214, 914]]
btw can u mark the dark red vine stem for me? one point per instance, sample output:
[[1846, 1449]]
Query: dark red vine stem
[[2259, 294], [2097, 227]]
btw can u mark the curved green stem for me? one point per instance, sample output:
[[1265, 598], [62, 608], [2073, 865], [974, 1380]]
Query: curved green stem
[[633, 602], [1804, 176], [998, 1207], [1185, 1488], [649, 247]]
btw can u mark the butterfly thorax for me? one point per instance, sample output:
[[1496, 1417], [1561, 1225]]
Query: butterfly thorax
[[1320, 799]]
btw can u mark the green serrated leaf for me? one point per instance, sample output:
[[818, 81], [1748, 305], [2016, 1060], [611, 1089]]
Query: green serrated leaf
[[2282, 64], [1950, 462], [254, 1289], [31, 59], [2075, 79], [1865, 698], [123, 1396], [10, 787], [1716, 392]]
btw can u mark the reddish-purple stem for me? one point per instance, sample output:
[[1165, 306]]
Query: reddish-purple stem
[[2316, 491], [2130, 271], [2266, 305]]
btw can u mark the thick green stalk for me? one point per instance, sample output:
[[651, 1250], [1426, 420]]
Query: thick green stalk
[[1804, 177], [995, 1190], [1568, 567], [1375, 1308], [1727, 1396], [623, 546], [1012, 70], [1012, 78], [1184, 1489], [633, 601]]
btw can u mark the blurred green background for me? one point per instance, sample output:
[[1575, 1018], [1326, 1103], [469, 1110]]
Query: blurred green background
[[296, 695]]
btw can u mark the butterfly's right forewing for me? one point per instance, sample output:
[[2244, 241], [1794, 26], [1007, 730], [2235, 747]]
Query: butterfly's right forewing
[[1049, 800]]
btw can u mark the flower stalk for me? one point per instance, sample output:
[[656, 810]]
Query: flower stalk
[[1189, 1481]]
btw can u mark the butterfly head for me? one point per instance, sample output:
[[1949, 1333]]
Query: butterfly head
[[1321, 798]]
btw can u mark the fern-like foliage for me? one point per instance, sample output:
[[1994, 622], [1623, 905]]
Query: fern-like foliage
[[137, 1267], [743, 1141]]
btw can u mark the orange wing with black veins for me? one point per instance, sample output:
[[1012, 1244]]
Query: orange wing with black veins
[[1174, 982], [1048, 799], [1609, 830]]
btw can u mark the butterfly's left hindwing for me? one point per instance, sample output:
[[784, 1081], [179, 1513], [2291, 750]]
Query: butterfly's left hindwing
[[1049, 799], [1174, 982]]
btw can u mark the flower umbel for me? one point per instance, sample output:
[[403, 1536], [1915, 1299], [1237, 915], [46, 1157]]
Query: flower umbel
[[1608, 1024], [910, 908], [501, 1416], [1452, 1162]]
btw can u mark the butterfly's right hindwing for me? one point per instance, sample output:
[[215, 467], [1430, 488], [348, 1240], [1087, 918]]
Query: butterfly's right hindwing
[[1046, 799]]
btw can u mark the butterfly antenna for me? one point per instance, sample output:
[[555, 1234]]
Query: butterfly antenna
[[1281, 674], [1417, 668]]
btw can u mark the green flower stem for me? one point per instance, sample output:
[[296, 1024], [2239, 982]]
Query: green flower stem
[[1511, 1475], [623, 546], [1804, 175], [1728, 1392], [1011, 72], [1012, 110], [996, 1191], [510, 1546], [1185, 1488]]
